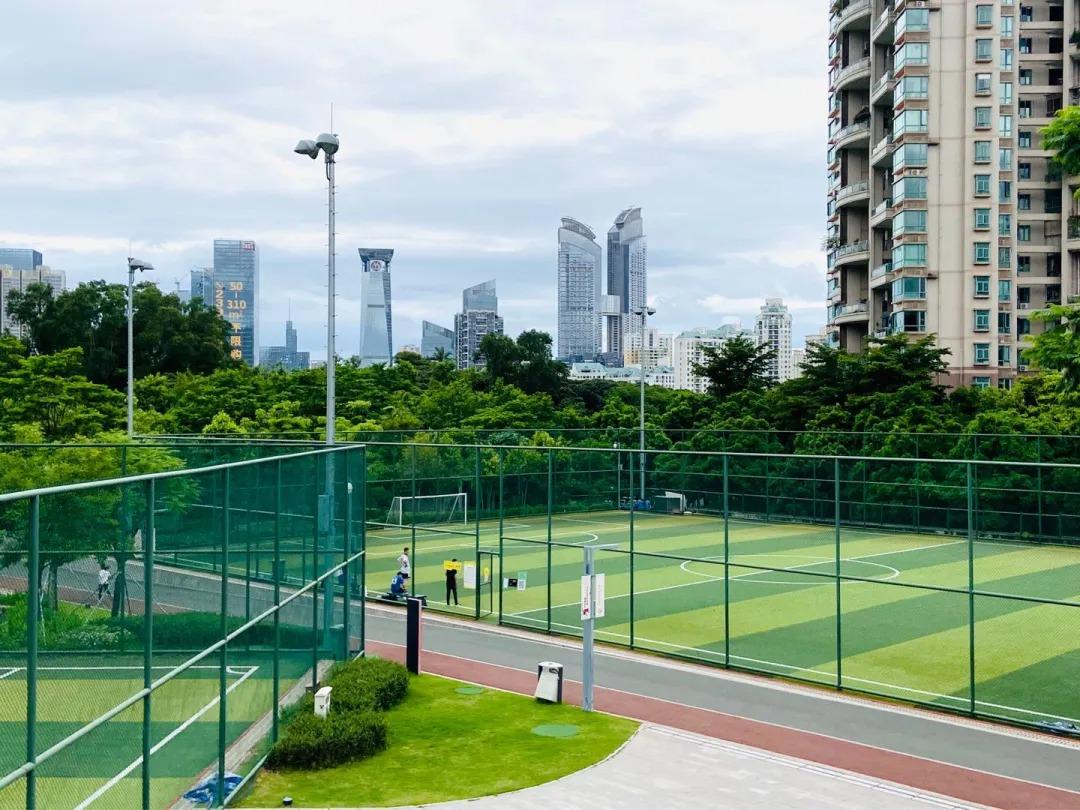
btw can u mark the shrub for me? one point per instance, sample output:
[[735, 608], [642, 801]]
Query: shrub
[[311, 742], [196, 630], [368, 684]]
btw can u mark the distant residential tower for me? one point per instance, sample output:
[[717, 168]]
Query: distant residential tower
[[376, 329], [579, 280]]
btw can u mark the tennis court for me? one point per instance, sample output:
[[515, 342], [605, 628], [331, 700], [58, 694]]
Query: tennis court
[[900, 620]]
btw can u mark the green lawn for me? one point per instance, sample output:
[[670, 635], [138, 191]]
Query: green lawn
[[447, 745]]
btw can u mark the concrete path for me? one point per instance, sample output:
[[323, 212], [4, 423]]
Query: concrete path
[[662, 767]]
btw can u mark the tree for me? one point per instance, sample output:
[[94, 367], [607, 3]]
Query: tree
[[1058, 348], [1062, 136], [738, 364]]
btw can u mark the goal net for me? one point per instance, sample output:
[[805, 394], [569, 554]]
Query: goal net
[[406, 510]]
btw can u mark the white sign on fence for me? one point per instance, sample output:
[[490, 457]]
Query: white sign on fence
[[592, 596], [598, 596]]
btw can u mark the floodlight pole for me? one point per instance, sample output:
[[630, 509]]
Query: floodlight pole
[[331, 389], [644, 312], [587, 678], [130, 354]]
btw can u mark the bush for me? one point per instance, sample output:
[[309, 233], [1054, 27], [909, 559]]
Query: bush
[[196, 630], [368, 684], [311, 742]]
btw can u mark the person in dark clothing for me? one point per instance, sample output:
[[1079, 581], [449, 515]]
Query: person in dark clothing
[[398, 586], [451, 582]]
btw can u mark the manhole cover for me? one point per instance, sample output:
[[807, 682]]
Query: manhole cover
[[469, 690], [555, 731]]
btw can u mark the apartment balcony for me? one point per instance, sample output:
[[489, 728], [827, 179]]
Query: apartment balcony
[[856, 75], [853, 135], [882, 151], [855, 15], [853, 194], [851, 253], [851, 313], [882, 213], [882, 28], [1073, 233], [881, 275], [881, 87]]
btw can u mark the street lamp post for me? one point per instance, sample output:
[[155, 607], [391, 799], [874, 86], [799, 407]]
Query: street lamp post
[[643, 313], [328, 144], [133, 265]]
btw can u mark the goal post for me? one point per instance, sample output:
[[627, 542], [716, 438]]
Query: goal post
[[429, 509]]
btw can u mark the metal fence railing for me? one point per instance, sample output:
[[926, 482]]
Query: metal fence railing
[[153, 626]]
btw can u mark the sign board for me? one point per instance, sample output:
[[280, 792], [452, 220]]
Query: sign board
[[586, 597], [592, 596], [598, 596], [453, 565], [470, 576], [515, 583]]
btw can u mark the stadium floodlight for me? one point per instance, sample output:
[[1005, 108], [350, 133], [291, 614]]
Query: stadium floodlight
[[307, 148], [133, 266], [644, 313]]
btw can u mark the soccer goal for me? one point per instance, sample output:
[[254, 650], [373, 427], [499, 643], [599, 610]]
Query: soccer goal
[[429, 509]]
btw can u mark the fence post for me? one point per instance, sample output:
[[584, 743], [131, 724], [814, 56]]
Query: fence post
[[501, 520], [971, 584], [276, 568], [1039, 484], [550, 495], [412, 509], [149, 540], [346, 573], [839, 621], [632, 600], [727, 568], [223, 661], [476, 531], [314, 576], [766, 489], [33, 609], [363, 549]]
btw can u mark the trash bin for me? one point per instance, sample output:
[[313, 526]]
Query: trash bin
[[549, 679], [322, 701]]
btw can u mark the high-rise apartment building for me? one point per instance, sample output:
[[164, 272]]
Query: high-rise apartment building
[[579, 281], [688, 349], [236, 294], [286, 357], [12, 280], [657, 351], [773, 329], [20, 258], [376, 322], [945, 214], [434, 337], [479, 317], [202, 285], [627, 262]]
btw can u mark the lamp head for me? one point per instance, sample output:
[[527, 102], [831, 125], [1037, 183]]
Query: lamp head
[[328, 143], [139, 264], [308, 148]]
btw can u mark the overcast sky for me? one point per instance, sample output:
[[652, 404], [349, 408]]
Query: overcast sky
[[468, 129]]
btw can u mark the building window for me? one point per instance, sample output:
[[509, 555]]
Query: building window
[[1023, 202], [980, 382], [1004, 258], [1004, 191], [982, 286], [1023, 170], [1024, 109], [1004, 355], [910, 255], [1024, 139], [984, 16], [1005, 126], [982, 185], [909, 289], [912, 53], [982, 320], [910, 121], [913, 19], [1026, 76], [913, 154], [1023, 326], [1005, 159], [1004, 224], [982, 118], [910, 221], [1006, 26], [1025, 44], [984, 50], [982, 219], [1023, 233], [982, 354], [1004, 290], [1023, 264], [982, 151], [983, 83], [1006, 58], [911, 87], [914, 188], [1004, 323], [1005, 93], [908, 321], [982, 253]]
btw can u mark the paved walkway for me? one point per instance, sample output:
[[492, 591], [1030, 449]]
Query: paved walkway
[[662, 767]]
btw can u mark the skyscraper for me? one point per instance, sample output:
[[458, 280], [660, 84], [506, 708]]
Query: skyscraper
[[626, 275], [202, 284], [20, 258], [479, 317], [945, 217], [12, 280], [579, 279], [284, 357], [376, 329], [773, 329], [434, 337], [236, 294]]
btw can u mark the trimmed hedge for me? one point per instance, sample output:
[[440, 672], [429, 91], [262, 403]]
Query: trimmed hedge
[[198, 629], [356, 726], [314, 742]]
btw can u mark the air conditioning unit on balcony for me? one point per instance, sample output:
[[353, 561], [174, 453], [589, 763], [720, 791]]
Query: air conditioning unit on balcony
[[1021, 367], [1022, 305]]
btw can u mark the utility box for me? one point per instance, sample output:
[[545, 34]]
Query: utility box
[[549, 681], [322, 701]]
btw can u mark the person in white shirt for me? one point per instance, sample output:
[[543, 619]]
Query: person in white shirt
[[403, 563], [103, 581]]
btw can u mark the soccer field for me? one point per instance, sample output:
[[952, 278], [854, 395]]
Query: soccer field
[[899, 621], [104, 768]]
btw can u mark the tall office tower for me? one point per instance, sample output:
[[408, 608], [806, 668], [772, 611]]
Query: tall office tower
[[286, 357], [20, 258], [945, 216], [376, 329], [688, 350], [626, 275], [202, 284], [12, 280], [434, 337], [478, 317], [579, 278], [773, 329], [236, 294]]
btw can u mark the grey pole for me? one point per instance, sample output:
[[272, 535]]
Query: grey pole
[[587, 678], [644, 312], [130, 353], [331, 393]]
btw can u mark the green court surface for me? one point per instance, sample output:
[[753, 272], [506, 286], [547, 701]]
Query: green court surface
[[902, 626], [104, 768]]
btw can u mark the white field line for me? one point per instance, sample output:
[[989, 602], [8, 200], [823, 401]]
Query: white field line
[[101, 791], [709, 577], [623, 638], [103, 669], [8, 672]]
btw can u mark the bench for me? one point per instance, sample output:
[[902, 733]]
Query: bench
[[383, 596]]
